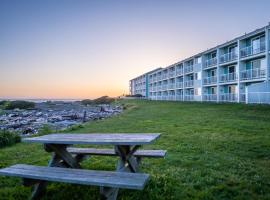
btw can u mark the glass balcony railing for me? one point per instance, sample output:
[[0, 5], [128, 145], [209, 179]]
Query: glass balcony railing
[[189, 69], [179, 97], [228, 97], [171, 74], [210, 80], [189, 83], [251, 50], [228, 57], [210, 97], [230, 77], [179, 72], [189, 97], [210, 62], [164, 87], [253, 74], [179, 84], [171, 86]]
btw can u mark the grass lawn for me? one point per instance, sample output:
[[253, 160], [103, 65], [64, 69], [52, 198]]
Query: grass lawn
[[215, 151]]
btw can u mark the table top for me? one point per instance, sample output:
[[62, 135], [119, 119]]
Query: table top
[[96, 138]]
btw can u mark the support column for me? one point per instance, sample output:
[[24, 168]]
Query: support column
[[267, 48], [218, 89], [238, 66]]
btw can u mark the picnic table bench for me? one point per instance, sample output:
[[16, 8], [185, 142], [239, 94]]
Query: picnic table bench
[[64, 165]]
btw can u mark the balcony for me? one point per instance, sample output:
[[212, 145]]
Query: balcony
[[230, 77], [210, 62], [228, 57], [210, 97], [189, 97], [164, 87], [250, 50], [210, 80], [171, 86], [171, 74], [189, 69], [159, 87], [179, 84], [171, 97], [252, 74], [179, 97], [159, 78], [179, 72], [189, 83], [228, 97], [164, 76]]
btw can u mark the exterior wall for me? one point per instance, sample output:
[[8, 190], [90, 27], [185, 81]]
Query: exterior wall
[[220, 74]]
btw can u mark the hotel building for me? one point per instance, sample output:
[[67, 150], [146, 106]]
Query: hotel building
[[236, 71]]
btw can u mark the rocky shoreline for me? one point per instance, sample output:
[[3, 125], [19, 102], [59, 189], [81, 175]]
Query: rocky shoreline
[[57, 115]]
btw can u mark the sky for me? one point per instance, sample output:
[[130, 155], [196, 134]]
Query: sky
[[76, 49]]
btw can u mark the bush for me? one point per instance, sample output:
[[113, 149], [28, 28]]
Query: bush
[[8, 138], [19, 104], [100, 100], [87, 102], [103, 100]]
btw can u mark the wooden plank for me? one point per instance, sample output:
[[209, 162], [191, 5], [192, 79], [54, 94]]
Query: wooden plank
[[78, 176], [96, 138], [111, 152]]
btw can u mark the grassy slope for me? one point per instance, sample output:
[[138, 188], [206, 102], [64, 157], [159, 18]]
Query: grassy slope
[[214, 152]]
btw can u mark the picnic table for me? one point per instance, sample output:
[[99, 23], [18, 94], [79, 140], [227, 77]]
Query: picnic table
[[64, 165]]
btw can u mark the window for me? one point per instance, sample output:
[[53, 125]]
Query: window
[[198, 91]]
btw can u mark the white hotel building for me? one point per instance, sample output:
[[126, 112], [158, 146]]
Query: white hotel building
[[236, 71]]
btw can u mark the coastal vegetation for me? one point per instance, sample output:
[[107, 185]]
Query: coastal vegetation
[[100, 100], [18, 104], [215, 151], [8, 138]]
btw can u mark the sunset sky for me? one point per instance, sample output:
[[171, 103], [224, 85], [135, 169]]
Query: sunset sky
[[86, 48]]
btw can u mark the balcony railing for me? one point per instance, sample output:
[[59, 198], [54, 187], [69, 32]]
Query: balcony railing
[[164, 87], [159, 87], [250, 50], [171, 74], [228, 97], [189, 97], [230, 77], [171, 86], [209, 97], [189, 69], [179, 72], [179, 84], [210, 80], [253, 74], [189, 83], [179, 97], [164, 76], [171, 97], [231, 56], [210, 62], [159, 78]]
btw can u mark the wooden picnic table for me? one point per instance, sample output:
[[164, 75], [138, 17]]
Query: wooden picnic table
[[125, 146]]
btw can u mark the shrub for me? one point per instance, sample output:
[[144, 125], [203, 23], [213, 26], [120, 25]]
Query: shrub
[[8, 138], [87, 102], [103, 100], [100, 100], [19, 104]]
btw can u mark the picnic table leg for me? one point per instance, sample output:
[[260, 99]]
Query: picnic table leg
[[60, 158], [40, 188], [126, 163]]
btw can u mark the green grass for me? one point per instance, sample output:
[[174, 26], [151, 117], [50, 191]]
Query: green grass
[[215, 151]]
